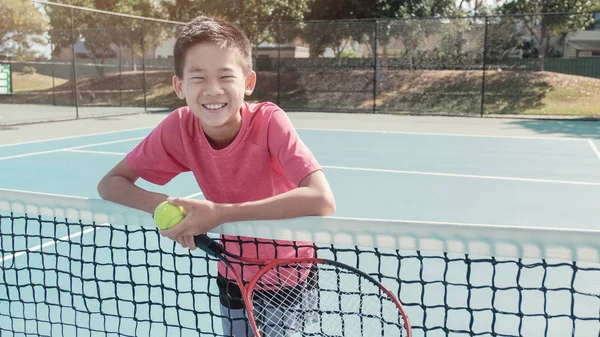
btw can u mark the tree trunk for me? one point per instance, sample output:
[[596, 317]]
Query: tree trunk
[[544, 37], [133, 59], [543, 44]]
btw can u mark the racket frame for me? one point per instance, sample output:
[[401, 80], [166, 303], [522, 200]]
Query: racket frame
[[215, 249]]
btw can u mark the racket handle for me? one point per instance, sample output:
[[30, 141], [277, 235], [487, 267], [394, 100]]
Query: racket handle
[[207, 244]]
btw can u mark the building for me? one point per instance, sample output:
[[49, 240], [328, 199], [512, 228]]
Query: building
[[585, 43]]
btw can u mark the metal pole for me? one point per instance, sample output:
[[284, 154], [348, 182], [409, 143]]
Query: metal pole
[[144, 68], [484, 65], [120, 67], [53, 73], [375, 67], [278, 62], [74, 67]]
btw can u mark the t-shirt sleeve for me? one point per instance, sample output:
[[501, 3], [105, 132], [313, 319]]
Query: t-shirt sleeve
[[160, 156], [293, 156]]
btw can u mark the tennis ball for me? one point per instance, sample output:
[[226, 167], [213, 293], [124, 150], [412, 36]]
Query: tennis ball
[[167, 215]]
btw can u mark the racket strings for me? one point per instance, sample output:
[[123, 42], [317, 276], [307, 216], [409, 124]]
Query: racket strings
[[284, 309], [347, 304], [363, 308], [298, 278]]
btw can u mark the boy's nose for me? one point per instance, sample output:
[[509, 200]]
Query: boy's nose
[[213, 89]]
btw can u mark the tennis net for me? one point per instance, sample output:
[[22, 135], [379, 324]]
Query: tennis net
[[87, 267]]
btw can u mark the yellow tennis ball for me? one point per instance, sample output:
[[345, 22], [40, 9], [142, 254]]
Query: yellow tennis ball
[[167, 215]]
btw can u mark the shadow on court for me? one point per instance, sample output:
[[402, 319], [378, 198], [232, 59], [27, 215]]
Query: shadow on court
[[580, 128]]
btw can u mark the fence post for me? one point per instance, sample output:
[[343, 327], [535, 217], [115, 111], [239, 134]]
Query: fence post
[[53, 73], [74, 66], [118, 30], [484, 65], [278, 62], [144, 67], [375, 67]]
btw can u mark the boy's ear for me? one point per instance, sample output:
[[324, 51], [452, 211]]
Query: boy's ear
[[177, 85], [250, 83]]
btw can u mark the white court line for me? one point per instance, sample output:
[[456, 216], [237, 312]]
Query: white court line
[[71, 196], [70, 148], [425, 173], [50, 243], [68, 237], [464, 175], [309, 129], [594, 148], [440, 134], [72, 137], [44, 193], [97, 152], [194, 195]]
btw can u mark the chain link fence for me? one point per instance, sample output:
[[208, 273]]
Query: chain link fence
[[472, 66], [452, 66], [89, 64]]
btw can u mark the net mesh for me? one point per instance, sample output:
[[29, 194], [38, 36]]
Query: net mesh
[[66, 272]]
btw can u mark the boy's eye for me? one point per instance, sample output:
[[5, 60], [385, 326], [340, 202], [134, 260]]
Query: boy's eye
[[225, 77], [197, 78]]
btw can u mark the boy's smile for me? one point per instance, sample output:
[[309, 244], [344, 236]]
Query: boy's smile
[[214, 106]]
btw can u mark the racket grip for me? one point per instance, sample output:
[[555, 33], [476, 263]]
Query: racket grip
[[208, 245]]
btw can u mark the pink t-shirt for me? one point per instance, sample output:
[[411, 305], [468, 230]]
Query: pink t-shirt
[[265, 159]]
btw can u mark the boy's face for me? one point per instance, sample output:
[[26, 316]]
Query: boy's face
[[214, 85]]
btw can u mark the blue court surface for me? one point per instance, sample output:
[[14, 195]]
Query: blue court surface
[[539, 181], [464, 171]]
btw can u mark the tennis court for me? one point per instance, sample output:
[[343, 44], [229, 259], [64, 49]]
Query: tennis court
[[420, 192]]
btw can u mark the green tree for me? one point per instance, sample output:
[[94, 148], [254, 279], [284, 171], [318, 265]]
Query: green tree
[[385, 11], [549, 23], [22, 27], [98, 31], [474, 7], [185, 10], [258, 18]]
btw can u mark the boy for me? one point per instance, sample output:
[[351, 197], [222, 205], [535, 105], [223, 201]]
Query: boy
[[247, 159]]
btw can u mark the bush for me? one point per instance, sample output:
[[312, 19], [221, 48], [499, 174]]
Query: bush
[[28, 70]]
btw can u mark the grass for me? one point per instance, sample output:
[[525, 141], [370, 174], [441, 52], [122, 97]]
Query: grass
[[31, 82], [544, 93], [426, 91]]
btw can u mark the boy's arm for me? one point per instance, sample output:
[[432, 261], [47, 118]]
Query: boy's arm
[[312, 197], [157, 159], [118, 185]]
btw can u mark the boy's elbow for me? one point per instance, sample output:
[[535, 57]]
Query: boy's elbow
[[106, 187], [102, 188], [327, 203]]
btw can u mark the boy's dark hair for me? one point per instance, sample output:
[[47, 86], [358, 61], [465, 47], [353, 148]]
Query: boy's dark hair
[[206, 29]]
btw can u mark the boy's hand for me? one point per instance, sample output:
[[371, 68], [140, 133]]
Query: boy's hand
[[201, 216]]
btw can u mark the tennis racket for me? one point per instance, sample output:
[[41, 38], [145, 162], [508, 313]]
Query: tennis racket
[[348, 301]]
